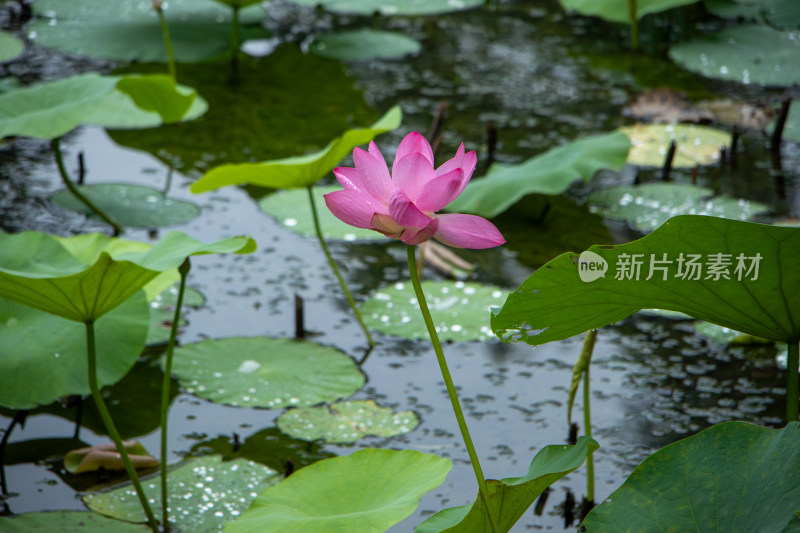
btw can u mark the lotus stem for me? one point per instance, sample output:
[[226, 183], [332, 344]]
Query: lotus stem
[[588, 346], [183, 270], [792, 369], [157, 5], [56, 144], [335, 269], [483, 489], [111, 428], [634, 24]]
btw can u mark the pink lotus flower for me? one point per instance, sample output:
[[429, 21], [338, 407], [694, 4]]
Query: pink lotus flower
[[404, 205]]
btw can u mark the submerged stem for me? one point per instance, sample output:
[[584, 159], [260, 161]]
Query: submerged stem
[[792, 378], [165, 387], [56, 144], [335, 269], [111, 428], [451, 389]]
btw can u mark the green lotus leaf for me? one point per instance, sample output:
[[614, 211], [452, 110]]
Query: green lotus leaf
[[460, 310], [204, 493], [157, 93], [393, 7], [67, 522], [725, 335], [749, 53], [300, 171], [368, 491], [10, 47], [618, 10], [43, 356], [35, 269], [733, 476], [510, 498], [347, 421], [129, 30], [735, 274], [694, 145], [648, 206], [291, 208], [266, 372], [134, 206], [364, 44], [549, 173], [49, 110]]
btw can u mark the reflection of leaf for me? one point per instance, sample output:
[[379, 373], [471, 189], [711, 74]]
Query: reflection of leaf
[[731, 477], [300, 171], [368, 491], [275, 109], [617, 10], [291, 208], [749, 53], [460, 310], [364, 44], [270, 447], [204, 493], [648, 206], [106, 456], [67, 521], [511, 497], [549, 173], [346, 421], [129, 30], [134, 206], [266, 372], [393, 7], [554, 303]]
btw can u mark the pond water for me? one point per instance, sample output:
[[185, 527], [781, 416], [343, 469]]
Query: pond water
[[542, 79]]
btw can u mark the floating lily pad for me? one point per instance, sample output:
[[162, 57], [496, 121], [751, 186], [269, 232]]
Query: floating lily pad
[[368, 492], [782, 13], [618, 10], [364, 44], [10, 47], [291, 208], [266, 372], [37, 369], [129, 30], [549, 173], [270, 447], [49, 110], [393, 7], [460, 310], [204, 493], [347, 421], [162, 312], [695, 145], [67, 522], [648, 206], [749, 53], [731, 477], [274, 109], [134, 206]]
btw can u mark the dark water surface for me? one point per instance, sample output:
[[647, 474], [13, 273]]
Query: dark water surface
[[542, 79]]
